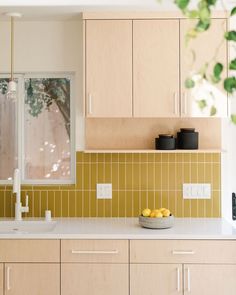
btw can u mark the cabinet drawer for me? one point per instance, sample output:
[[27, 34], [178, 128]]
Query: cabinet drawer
[[29, 250], [183, 251], [114, 251]]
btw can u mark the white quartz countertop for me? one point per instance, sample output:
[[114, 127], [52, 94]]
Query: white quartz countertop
[[128, 228]]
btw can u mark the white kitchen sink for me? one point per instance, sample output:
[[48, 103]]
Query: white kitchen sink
[[26, 226]]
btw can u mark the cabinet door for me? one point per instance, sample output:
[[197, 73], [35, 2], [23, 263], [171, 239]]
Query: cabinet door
[[209, 279], [202, 99], [156, 68], [32, 279], [109, 68], [94, 279], [152, 279], [1, 278]]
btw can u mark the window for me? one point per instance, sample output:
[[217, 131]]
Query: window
[[36, 131]]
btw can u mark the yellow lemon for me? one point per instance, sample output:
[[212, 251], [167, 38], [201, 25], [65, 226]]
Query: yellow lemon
[[146, 212], [158, 214], [152, 214], [166, 213], [162, 209]]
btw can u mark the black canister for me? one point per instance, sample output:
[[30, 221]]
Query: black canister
[[187, 139], [165, 142]]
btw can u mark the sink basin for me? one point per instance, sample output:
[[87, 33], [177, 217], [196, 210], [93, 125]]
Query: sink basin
[[26, 226]]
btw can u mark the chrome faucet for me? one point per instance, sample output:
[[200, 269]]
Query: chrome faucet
[[19, 209]]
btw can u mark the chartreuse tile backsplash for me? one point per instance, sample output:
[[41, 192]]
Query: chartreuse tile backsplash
[[139, 180]]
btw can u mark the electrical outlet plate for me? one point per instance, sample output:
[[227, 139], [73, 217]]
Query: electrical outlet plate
[[104, 191], [196, 191]]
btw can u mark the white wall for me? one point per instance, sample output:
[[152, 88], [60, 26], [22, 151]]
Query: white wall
[[46, 46]]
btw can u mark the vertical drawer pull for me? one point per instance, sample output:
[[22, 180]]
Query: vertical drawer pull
[[94, 251], [178, 279], [175, 103], [8, 279], [184, 252], [184, 108], [188, 289]]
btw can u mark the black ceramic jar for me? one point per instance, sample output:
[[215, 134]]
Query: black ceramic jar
[[187, 139], [165, 142]]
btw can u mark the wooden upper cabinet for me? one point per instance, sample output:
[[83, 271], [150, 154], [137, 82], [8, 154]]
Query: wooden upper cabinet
[[109, 68], [201, 50], [156, 68]]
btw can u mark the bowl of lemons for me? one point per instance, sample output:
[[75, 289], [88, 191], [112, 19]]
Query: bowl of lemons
[[156, 218]]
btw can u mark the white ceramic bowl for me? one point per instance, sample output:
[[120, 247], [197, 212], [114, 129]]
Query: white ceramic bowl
[[156, 223]]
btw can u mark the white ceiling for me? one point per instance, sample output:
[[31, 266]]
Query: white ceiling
[[66, 9]]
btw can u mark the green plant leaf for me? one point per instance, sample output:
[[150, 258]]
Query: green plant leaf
[[182, 4], [230, 36], [192, 14], [213, 111], [202, 104], [233, 11], [202, 26], [211, 2], [205, 14], [218, 68], [233, 118], [189, 83], [232, 65], [230, 84]]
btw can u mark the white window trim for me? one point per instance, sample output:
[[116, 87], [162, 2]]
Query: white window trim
[[21, 129]]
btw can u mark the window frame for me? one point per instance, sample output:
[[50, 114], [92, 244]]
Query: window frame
[[20, 115]]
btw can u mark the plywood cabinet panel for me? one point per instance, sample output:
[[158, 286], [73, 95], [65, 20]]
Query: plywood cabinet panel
[[208, 48], [95, 279], [209, 279], [99, 251], [155, 279], [32, 279], [156, 68], [109, 68], [29, 250]]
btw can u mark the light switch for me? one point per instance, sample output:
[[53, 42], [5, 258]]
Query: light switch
[[196, 191], [104, 191]]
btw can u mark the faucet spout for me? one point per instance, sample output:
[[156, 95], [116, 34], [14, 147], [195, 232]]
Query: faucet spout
[[19, 209]]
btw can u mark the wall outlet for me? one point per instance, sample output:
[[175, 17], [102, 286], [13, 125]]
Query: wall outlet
[[104, 191], [196, 191]]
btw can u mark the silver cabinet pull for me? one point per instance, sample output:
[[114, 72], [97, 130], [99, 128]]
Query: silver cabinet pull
[[94, 251], [184, 252], [8, 278], [178, 279], [90, 110], [184, 103], [188, 288], [175, 103]]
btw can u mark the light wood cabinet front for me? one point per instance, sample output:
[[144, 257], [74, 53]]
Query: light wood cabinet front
[[32, 279], [109, 68], [156, 68], [1, 279], [155, 279], [209, 279], [208, 48], [94, 279]]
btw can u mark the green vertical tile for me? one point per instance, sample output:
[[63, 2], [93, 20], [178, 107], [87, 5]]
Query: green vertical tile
[[144, 176], [58, 204], [44, 203], [129, 176], [136, 204], [8, 204], [108, 206], [122, 176], [51, 202], [93, 204], [72, 204], [115, 204], [129, 211], [37, 203], [79, 204], [101, 208], [122, 204], [86, 204], [2, 196]]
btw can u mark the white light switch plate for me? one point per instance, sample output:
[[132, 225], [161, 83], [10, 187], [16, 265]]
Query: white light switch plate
[[104, 191], [196, 191]]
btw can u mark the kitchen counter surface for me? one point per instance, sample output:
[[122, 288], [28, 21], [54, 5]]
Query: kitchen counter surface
[[128, 228]]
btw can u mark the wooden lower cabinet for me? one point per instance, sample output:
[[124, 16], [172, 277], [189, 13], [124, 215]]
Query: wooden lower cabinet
[[94, 279], [209, 279], [152, 279], [32, 279]]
